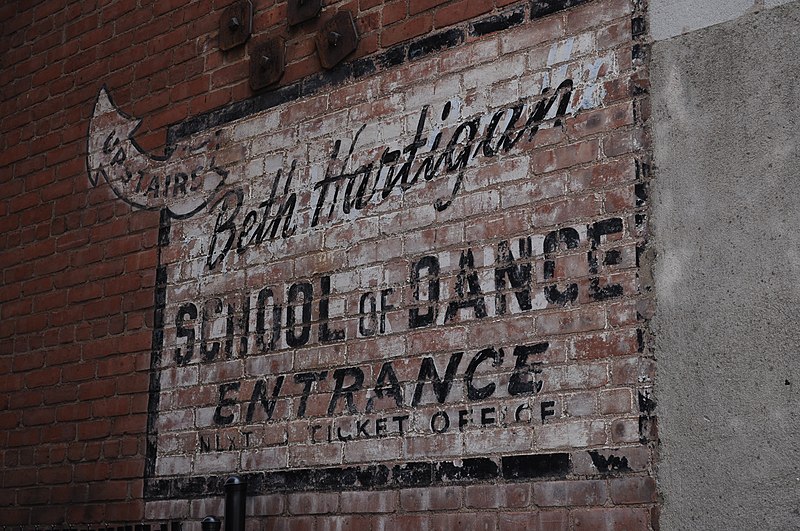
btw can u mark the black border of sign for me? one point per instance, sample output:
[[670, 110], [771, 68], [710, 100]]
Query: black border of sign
[[375, 477], [154, 390]]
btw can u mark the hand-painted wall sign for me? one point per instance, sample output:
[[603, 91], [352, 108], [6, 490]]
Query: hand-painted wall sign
[[347, 279]]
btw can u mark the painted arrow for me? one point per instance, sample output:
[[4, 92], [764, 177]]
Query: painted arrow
[[182, 182]]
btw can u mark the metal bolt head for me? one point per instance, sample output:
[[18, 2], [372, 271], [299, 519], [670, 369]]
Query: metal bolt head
[[264, 62], [234, 24], [333, 39]]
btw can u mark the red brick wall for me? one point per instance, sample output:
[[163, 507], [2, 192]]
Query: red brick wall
[[79, 265]]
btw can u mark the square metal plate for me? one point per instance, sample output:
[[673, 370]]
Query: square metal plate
[[337, 39], [236, 25], [267, 62]]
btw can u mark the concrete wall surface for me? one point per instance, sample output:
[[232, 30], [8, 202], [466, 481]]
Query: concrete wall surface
[[669, 18], [725, 213]]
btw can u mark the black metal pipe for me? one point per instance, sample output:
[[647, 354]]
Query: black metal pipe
[[235, 498]]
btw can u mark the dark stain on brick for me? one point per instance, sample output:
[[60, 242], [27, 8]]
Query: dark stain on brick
[[234, 111], [639, 52], [159, 488], [638, 26], [642, 169], [648, 429], [542, 8], [335, 76], [255, 483], [612, 257], [363, 67], [646, 404], [332, 478], [641, 190], [393, 56], [499, 22], [535, 466], [301, 479], [434, 43], [418, 474], [368, 477], [373, 476], [191, 487], [611, 463], [468, 469]]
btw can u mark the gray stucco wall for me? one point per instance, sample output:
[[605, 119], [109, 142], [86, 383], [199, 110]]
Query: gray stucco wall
[[726, 217], [674, 17]]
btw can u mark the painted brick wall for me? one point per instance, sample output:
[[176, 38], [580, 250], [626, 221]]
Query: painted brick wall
[[467, 347]]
